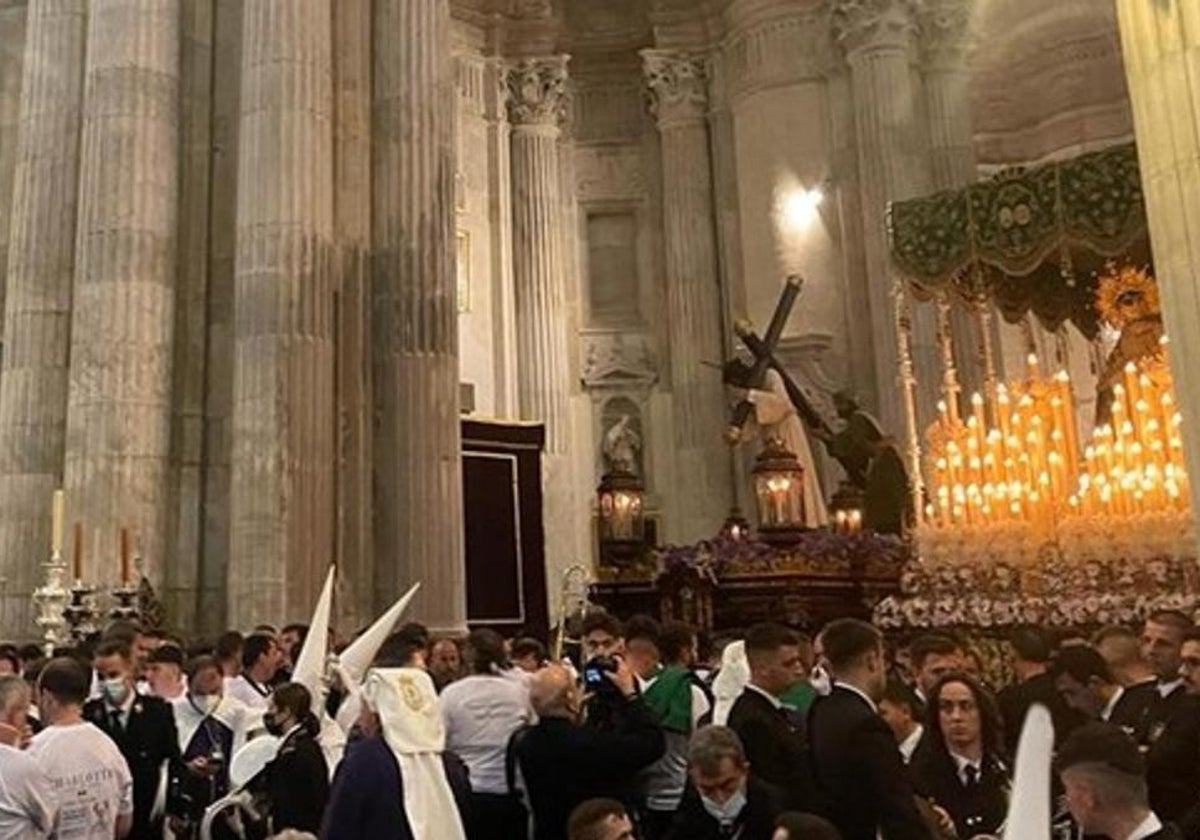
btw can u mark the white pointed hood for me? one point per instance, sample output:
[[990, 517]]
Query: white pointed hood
[[309, 667]]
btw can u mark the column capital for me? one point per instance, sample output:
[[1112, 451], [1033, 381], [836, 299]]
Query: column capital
[[677, 84], [946, 33], [537, 90], [861, 25]]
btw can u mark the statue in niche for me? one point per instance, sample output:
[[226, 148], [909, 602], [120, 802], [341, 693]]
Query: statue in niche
[[622, 446]]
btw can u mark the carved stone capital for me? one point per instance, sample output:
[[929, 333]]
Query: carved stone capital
[[537, 91], [946, 33], [677, 84], [862, 25]]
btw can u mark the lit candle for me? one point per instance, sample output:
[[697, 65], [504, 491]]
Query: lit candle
[[855, 521], [1031, 362], [56, 523]]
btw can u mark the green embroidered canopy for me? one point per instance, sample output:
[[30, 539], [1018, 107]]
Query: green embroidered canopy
[[1032, 240]]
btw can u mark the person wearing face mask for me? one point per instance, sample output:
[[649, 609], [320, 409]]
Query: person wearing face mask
[[210, 728], [142, 727], [724, 801], [297, 780]]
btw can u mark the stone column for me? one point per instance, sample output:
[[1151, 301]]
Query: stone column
[[12, 56], [37, 307], [282, 489], [418, 459], [537, 91], [946, 45], [879, 38], [355, 601], [122, 321], [1161, 45], [679, 100]]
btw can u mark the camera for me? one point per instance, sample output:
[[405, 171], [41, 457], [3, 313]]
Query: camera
[[594, 671]]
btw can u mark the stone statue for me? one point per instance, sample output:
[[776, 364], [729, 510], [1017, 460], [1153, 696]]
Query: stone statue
[[622, 446]]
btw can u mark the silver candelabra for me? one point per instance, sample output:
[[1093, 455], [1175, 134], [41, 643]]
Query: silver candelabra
[[51, 600]]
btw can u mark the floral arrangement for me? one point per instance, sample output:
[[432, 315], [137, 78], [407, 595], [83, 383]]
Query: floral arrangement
[[725, 555], [1050, 592]]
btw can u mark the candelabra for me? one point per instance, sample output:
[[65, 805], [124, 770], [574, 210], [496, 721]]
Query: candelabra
[[125, 596], [51, 600], [80, 614]]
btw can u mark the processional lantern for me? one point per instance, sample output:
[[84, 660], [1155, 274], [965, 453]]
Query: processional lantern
[[621, 498], [779, 493]]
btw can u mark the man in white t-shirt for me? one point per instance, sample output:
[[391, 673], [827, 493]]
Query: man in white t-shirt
[[27, 807], [261, 660], [89, 778]]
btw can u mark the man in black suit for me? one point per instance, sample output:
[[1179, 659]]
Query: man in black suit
[[723, 799], [1105, 781], [1083, 680], [855, 760], [1173, 730], [773, 738], [1030, 657], [298, 777], [143, 728]]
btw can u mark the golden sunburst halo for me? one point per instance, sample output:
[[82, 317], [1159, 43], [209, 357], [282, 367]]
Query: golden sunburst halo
[[1126, 294]]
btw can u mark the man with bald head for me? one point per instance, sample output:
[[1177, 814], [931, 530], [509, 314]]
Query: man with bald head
[[564, 763]]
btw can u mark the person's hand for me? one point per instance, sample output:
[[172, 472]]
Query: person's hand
[[623, 677], [177, 825], [945, 822]]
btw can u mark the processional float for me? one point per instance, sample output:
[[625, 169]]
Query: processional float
[[1028, 512]]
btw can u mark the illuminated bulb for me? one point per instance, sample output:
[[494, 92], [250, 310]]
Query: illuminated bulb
[[800, 207]]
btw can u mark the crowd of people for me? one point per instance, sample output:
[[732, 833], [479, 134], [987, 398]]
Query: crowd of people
[[647, 731]]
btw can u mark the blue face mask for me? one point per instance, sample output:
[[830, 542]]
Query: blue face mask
[[725, 812]]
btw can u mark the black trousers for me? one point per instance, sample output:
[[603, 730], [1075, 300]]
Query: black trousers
[[495, 816]]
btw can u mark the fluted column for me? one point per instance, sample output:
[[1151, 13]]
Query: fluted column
[[537, 97], [37, 307], [946, 42], [1161, 46], [122, 321], [418, 469], [879, 38], [679, 99], [282, 490]]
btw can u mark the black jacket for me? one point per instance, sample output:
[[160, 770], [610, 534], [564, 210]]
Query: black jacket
[[148, 741], [1134, 709], [563, 764], [756, 822], [775, 747], [1173, 761], [298, 784], [1015, 700], [859, 773], [978, 809]]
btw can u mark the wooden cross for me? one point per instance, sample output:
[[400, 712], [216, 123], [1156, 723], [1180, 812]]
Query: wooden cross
[[752, 376]]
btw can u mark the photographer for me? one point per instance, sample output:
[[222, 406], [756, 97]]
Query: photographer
[[564, 763], [603, 645]]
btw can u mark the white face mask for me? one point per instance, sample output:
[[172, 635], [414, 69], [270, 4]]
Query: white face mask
[[206, 703], [115, 690], [726, 812]]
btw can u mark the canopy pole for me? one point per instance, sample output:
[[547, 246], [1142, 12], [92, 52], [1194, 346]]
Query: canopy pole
[[908, 386]]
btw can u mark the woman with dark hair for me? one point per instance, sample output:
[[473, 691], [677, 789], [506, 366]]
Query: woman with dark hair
[[963, 769], [794, 825]]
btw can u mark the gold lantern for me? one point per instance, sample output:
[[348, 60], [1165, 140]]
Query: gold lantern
[[779, 492], [621, 505]]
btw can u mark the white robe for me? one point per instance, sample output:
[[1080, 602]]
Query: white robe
[[776, 416]]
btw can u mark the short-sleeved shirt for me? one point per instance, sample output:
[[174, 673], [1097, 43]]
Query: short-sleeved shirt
[[481, 713], [89, 780], [27, 806]]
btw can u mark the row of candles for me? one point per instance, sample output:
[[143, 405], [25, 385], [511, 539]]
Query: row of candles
[[1136, 462], [57, 521], [1025, 466], [1018, 467]]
